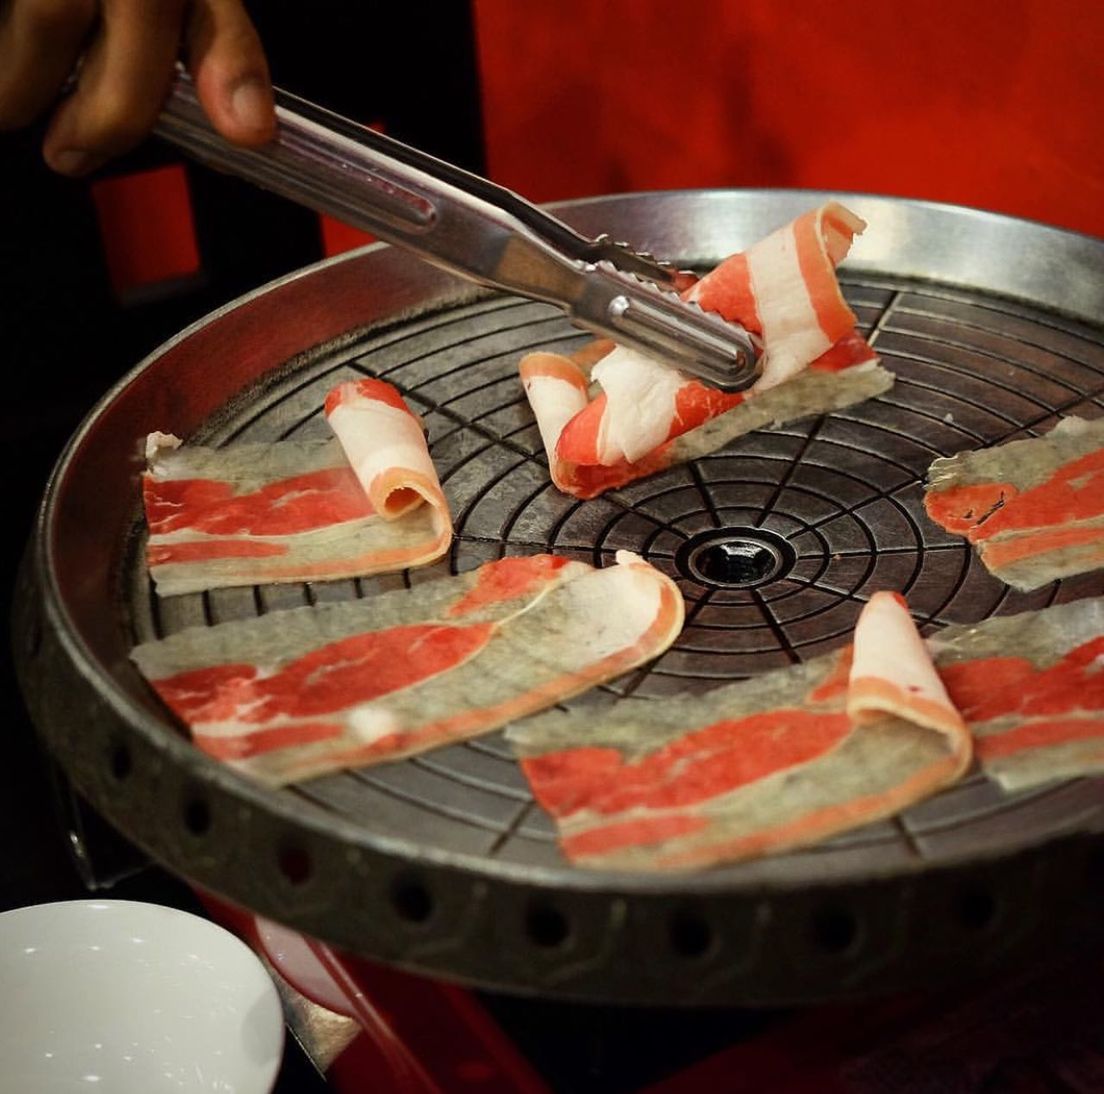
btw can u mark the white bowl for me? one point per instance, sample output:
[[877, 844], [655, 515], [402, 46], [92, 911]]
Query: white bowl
[[113, 995]]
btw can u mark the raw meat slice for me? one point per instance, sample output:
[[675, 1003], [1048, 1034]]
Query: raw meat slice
[[774, 762], [1034, 508], [1031, 688], [783, 290], [557, 390], [707, 419], [298, 693], [297, 510]]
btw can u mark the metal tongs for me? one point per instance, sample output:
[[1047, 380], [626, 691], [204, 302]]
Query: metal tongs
[[471, 227]]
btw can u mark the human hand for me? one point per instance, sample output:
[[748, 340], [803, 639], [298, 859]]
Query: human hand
[[127, 50]]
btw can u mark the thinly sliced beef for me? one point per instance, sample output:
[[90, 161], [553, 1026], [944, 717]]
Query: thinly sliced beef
[[648, 416], [1033, 508], [795, 756], [299, 693], [297, 511], [777, 761], [1031, 688]]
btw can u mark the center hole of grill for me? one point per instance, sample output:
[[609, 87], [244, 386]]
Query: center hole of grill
[[736, 563], [735, 557]]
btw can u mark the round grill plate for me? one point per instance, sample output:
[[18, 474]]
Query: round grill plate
[[443, 862]]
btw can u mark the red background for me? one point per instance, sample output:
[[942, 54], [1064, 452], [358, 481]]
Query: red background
[[991, 103]]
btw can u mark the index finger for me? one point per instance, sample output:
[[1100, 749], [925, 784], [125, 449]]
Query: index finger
[[123, 82]]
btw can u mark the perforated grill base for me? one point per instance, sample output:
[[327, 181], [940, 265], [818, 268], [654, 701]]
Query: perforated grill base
[[443, 862]]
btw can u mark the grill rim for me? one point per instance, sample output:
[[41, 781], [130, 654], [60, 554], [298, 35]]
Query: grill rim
[[450, 293], [43, 610]]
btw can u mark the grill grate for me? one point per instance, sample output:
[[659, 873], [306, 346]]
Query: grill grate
[[831, 507]]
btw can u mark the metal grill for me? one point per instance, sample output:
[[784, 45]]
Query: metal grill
[[442, 862], [831, 507]]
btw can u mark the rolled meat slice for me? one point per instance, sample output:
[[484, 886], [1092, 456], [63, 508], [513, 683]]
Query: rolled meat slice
[[556, 387], [1033, 508], [386, 447], [778, 761], [298, 693], [705, 419], [783, 290], [369, 502], [892, 671]]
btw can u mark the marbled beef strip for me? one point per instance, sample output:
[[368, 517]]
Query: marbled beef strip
[[1034, 508], [366, 503], [778, 761], [298, 693]]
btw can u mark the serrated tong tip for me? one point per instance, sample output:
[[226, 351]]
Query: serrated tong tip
[[636, 311]]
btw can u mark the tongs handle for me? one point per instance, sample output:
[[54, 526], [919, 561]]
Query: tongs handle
[[331, 164], [468, 225]]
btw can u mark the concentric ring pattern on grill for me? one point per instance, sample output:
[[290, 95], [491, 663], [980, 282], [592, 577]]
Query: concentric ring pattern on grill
[[829, 509]]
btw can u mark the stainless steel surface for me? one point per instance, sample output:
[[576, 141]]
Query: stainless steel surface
[[443, 863], [470, 227]]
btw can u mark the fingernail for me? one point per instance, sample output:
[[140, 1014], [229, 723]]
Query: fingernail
[[251, 105], [71, 161]]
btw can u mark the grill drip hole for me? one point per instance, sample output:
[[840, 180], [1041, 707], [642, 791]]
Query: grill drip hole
[[197, 816], [736, 563], [546, 926], [735, 558], [835, 930], [689, 934], [120, 762], [412, 900], [975, 908], [295, 865]]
